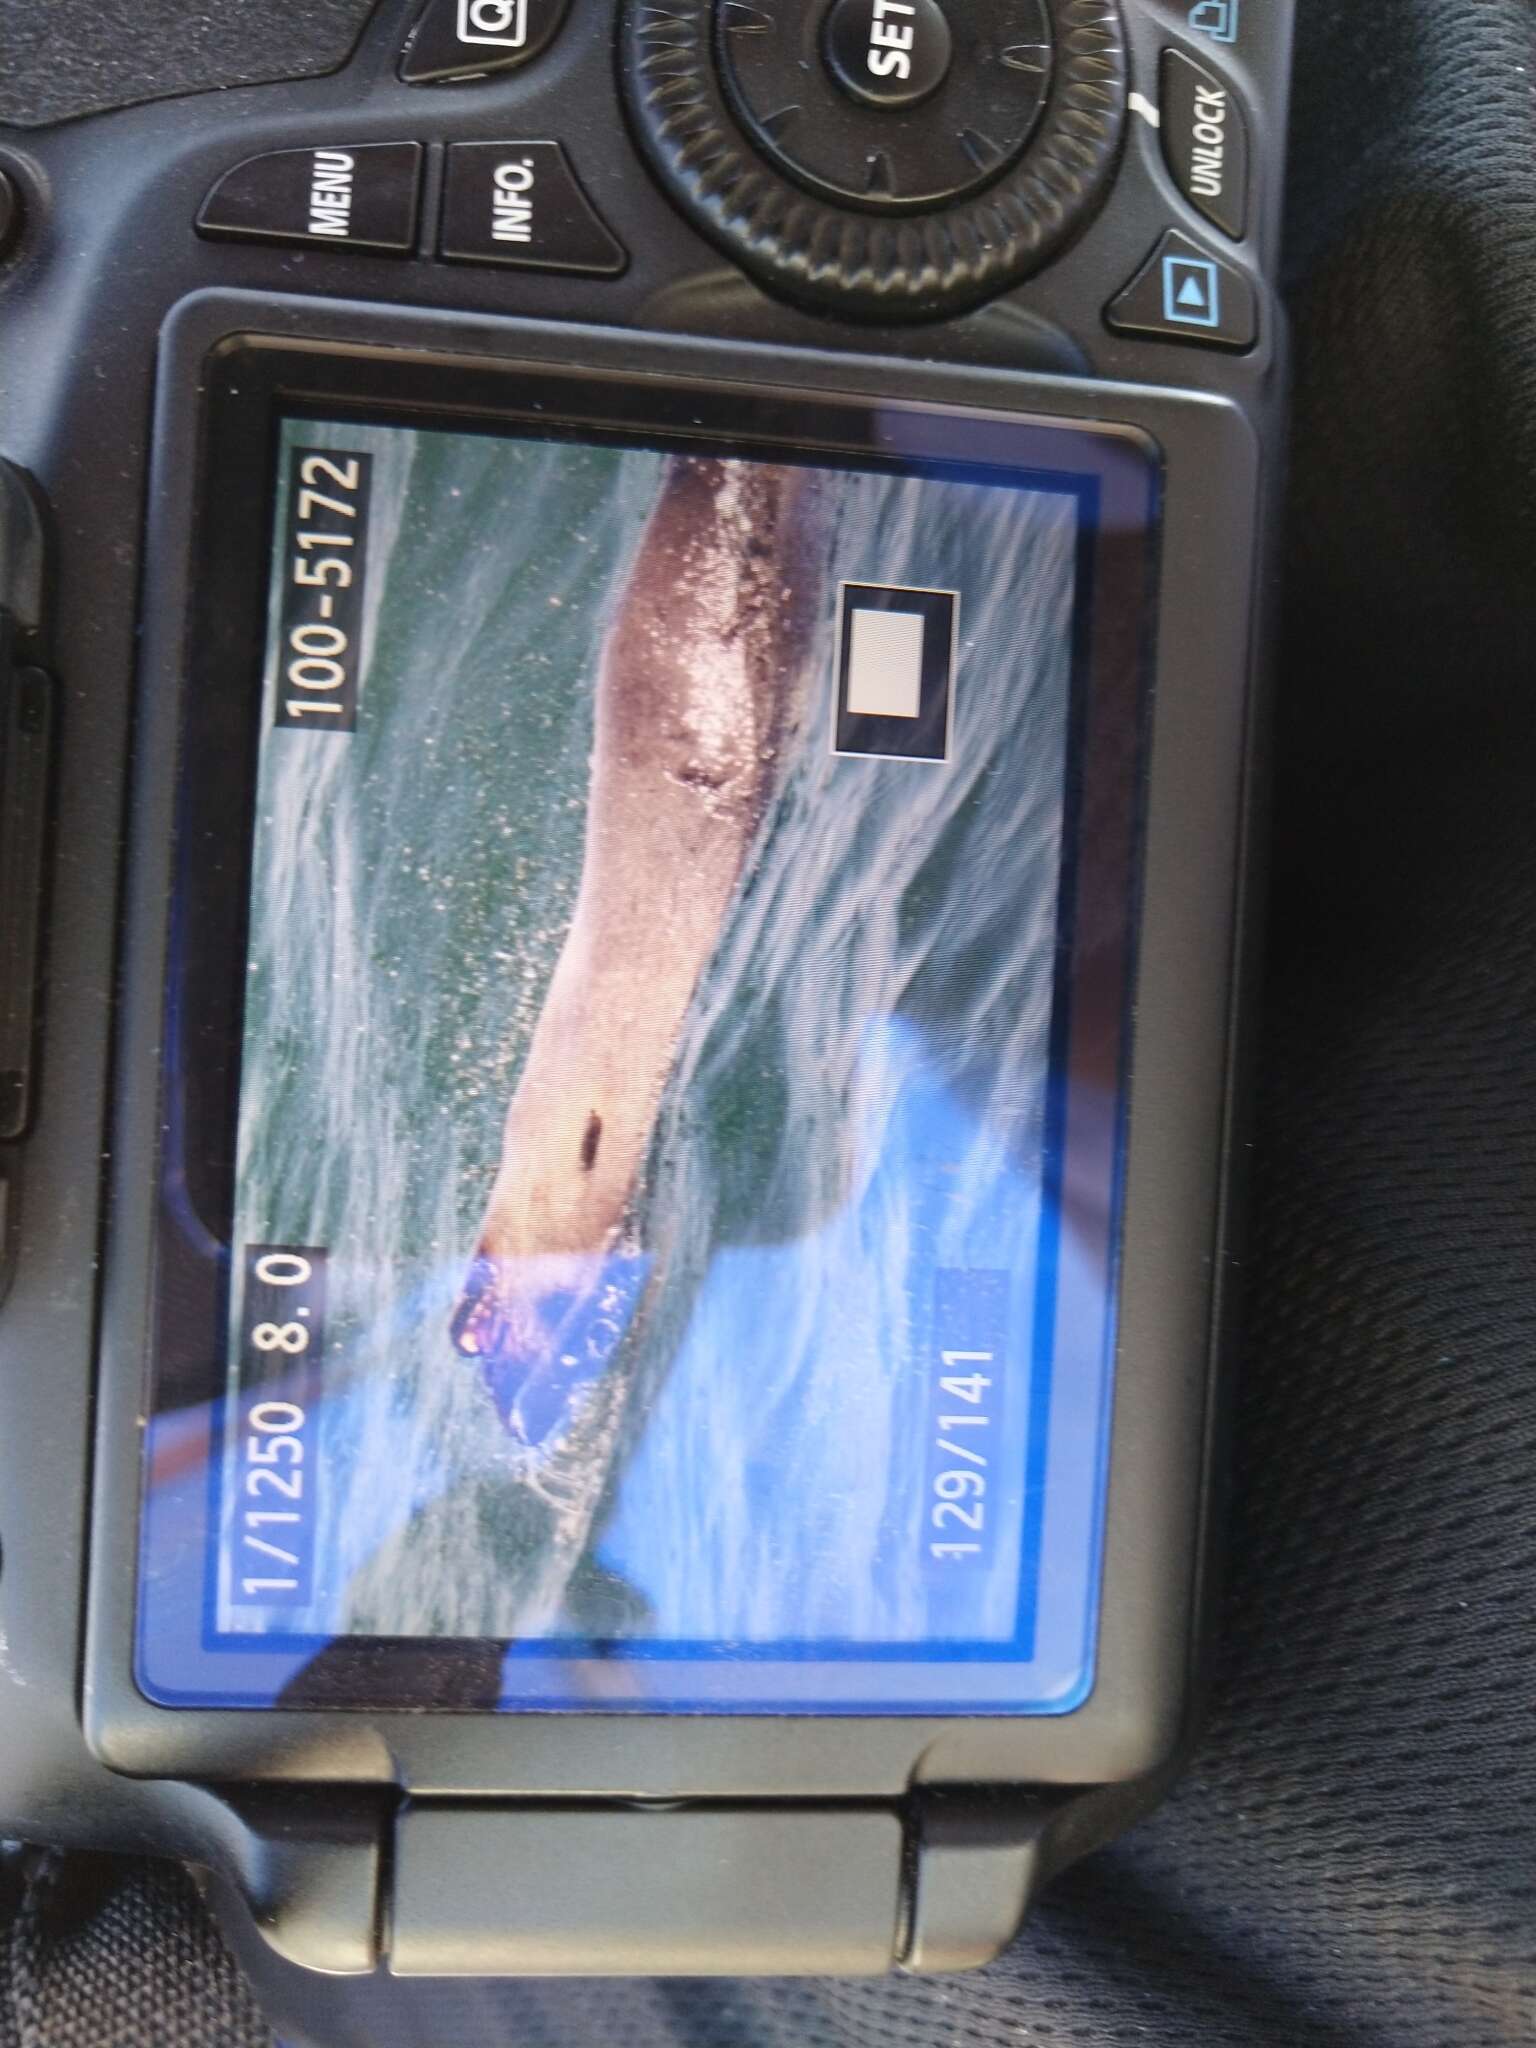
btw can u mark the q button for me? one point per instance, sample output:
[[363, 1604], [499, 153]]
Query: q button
[[455, 39]]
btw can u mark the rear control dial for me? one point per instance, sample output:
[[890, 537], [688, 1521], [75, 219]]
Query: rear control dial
[[889, 159], [888, 104]]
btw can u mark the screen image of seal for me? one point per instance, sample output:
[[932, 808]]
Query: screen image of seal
[[657, 1253]]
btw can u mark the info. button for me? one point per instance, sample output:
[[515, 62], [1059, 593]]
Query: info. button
[[518, 203]]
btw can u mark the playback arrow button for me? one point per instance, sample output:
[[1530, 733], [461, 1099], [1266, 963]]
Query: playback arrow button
[[1185, 293]]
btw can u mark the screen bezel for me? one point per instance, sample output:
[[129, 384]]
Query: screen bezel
[[1114, 486], [1156, 1484]]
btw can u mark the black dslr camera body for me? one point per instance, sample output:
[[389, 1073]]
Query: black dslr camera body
[[628, 638]]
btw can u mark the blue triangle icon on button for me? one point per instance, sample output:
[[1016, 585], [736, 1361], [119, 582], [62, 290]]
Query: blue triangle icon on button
[[1192, 293]]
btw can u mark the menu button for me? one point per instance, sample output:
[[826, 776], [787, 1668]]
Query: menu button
[[357, 196], [330, 196]]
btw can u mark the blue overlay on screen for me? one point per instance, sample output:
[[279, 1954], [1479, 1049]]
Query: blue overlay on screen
[[749, 1387]]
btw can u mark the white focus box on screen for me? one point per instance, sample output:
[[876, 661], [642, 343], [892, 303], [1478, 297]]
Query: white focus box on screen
[[885, 664]]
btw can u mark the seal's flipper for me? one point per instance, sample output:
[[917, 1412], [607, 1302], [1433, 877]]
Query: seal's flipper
[[479, 1328]]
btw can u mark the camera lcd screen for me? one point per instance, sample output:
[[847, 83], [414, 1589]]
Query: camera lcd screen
[[667, 1254]]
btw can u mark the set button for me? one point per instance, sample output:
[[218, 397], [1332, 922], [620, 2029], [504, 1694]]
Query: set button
[[889, 53], [890, 105]]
